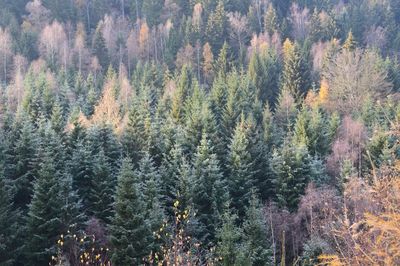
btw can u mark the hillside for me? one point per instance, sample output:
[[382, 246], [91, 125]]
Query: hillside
[[199, 132]]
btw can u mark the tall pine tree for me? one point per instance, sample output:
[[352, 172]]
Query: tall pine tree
[[130, 229]]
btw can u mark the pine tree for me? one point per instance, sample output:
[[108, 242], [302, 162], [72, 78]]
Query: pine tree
[[216, 27], [136, 136], [240, 167], [130, 229], [181, 94], [228, 236], [20, 160], [222, 62], [9, 227], [350, 43], [103, 138], [199, 120], [209, 190], [102, 188], [57, 120], [44, 220], [151, 10], [271, 23], [291, 167], [99, 48], [150, 180], [81, 167], [255, 230], [264, 73], [295, 76]]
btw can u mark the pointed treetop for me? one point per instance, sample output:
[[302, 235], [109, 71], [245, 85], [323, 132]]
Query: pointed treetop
[[350, 44]]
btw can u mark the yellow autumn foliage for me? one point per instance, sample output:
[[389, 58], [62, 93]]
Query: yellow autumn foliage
[[323, 92], [371, 238]]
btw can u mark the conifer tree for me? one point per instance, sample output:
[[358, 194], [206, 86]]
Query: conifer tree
[[20, 160], [181, 93], [130, 229], [199, 120], [81, 167], [216, 27], [291, 167], [150, 180], [228, 236], [240, 167], [264, 73], [217, 99], [271, 24], [285, 111], [256, 245], [209, 189], [295, 77], [233, 106], [136, 136], [222, 63], [102, 188], [99, 48], [57, 120], [103, 138], [350, 43], [44, 220], [151, 10], [9, 226]]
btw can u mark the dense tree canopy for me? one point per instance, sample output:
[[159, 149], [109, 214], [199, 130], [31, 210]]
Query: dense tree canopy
[[227, 132]]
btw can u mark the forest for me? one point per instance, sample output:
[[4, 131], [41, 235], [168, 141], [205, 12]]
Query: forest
[[199, 132]]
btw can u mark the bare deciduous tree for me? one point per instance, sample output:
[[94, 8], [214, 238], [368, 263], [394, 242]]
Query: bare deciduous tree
[[5, 52], [375, 37], [353, 78], [38, 15], [53, 44], [185, 56], [239, 30], [80, 49], [300, 19], [15, 91]]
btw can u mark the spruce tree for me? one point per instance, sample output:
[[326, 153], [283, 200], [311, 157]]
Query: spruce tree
[[209, 189], [130, 229], [57, 120], [291, 167], [183, 91], [295, 76], [240, 168], [229, 236], [81, 168], [350, 43], [199, 120], [9, 227], [99, 48], [44, 220], [150, 180], [216, 27], [271, 23], [151, 10], [20, 160], [257, 247], [102, 188], [264, 73], [222, 63], [103, 138], [136, 136]]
